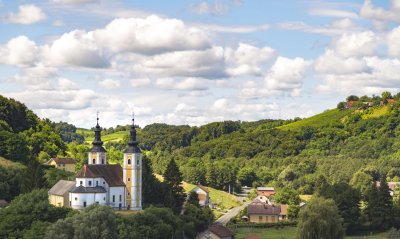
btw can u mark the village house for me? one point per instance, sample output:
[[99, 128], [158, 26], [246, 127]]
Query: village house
[[59, 193], [259, 212], [203, 194], [66, 164], [392, 186], [263, 199], [265, 191], [220, 232]]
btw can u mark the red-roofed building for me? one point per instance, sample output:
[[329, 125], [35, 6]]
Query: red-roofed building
[[67, 164], [220, 232], [203, 193], [259, 212]]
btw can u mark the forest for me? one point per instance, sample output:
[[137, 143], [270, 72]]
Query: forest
[[339, 152]]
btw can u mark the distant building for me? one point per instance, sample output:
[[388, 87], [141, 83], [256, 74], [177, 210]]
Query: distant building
[[59, 193], [392, 186], [220, 232], [265, 191], [262, 199], [67, 164], [259, 212], [203, 194]]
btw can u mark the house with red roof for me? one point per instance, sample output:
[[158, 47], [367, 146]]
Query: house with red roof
[[203, 194]]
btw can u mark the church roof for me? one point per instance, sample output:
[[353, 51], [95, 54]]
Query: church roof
[[63, 160], [112, 173], [82, 189], [132, 143], [62, 187]]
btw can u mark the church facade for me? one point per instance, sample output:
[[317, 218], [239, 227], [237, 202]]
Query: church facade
[[109, 184]]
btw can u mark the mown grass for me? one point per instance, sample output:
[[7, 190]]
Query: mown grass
[[319, 120], [221, 198], [290, 233]]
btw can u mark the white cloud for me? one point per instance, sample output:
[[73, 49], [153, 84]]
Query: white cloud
[[58, 23], [36, 77], [110, 83], [356, 44], [208, 63], [331, 63], [287, 75], [75, 48], [393, 42], [368, 10], [333, 29], [150, 35], [247, 59], [140, 82], [27, 14], [192, 84], [19, 51], [326, 12]]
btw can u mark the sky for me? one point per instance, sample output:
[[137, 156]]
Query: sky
[[194, 62]]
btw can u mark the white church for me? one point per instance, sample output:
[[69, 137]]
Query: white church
[[101, 183]]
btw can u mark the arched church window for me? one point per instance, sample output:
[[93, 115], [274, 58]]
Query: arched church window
[[129, 161], [94, 161], [102, 161]]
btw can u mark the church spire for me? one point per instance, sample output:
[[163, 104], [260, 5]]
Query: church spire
[[97, 143], [132, 144]]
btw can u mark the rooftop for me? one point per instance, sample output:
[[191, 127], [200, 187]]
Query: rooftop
[[61, 187]]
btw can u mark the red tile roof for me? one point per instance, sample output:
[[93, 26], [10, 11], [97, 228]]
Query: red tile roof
[[63, 160], [221, 231], [112, 173], [266, 209]]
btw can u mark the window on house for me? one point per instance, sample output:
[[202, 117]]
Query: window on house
[[129, 194], [104, 182], [70, 203], [120, 197], [260, 218], [90, 183], [104, 198], [129, 179], [97, 202], [81, 182], [76, 199], [102, 161], [137, 162], [84, 204], [129, 161], [113, 198], [97, 183], [94, 161]]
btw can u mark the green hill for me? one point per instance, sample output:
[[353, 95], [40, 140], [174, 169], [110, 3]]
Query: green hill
[[114, 137], [5, 163], [323, 119]]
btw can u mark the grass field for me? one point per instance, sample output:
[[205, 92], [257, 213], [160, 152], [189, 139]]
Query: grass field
[[5, 163], [117, 136], [375, 112], [325, 118], [224, 199], [290, 233]]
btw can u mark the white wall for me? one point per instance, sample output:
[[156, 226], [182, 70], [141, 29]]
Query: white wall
[[116, 191], [77, 199]]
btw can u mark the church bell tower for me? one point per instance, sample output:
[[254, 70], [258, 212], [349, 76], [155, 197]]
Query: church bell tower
[[97, 154], [132, 171]]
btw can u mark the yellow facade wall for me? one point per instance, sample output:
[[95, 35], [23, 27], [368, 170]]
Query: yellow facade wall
[[66, 167], [57, 201], [256, 218]]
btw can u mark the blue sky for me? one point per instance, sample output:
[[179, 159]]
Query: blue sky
[[194, 62]]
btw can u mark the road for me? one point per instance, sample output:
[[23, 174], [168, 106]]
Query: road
[[224, 219], [231, 214]]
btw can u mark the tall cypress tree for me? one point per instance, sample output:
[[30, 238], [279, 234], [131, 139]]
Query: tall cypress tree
[[174, 195]]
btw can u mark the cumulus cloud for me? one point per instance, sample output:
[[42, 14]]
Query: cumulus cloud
[[36, 77], [75, 48], [247, 59], [393, 42], [209, 63], [27, 14], [19, 51], [331, 63], [140, 82], [192, 84], [356, 44], [110, 83], [151, 35], [368, 10]]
